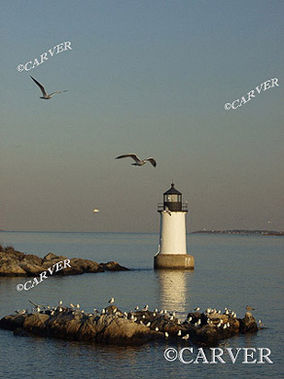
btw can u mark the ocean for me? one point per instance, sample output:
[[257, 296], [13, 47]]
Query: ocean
[[230, 271]]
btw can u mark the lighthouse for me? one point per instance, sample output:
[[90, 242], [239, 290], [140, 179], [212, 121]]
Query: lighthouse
[[172, 252]]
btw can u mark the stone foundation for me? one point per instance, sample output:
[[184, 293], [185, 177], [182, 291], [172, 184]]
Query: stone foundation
[[174, 261]]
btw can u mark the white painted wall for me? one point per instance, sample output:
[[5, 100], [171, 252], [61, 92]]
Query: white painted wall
[[172, 233]]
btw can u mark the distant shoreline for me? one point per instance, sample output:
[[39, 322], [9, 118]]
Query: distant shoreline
[[213, 231], [241, 231]]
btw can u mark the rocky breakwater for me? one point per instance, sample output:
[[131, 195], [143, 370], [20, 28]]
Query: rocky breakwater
[[113, 326], [15, 263]]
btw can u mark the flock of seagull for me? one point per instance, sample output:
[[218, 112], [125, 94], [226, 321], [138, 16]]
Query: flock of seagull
[[137, 161], [195, 319]]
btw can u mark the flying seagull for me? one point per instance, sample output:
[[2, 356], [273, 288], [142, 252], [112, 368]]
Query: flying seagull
[[45, 95], [138, 161]]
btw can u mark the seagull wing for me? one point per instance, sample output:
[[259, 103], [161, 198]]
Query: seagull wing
[[152, 161], [133, 156], [55, 92], [40, 86]]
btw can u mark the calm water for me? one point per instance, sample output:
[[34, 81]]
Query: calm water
[[230, 271]]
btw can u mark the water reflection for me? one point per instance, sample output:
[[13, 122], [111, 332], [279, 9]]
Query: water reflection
[[173, 288]]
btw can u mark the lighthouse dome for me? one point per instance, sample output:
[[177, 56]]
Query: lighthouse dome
[[173, 199], [172, 191]]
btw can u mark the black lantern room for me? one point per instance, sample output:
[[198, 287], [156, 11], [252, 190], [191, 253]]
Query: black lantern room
[[173, 200]]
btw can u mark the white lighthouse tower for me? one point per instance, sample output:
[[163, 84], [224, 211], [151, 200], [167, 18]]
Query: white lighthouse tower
[[172, 247]]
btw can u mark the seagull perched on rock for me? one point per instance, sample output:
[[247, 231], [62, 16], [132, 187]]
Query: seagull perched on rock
[[248, 308], [22, 312], [111, 301], [45, 95], [138, 161]]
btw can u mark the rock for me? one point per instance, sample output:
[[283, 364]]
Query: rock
[[31, 269], [112, 266], [248, 324], [49, 256], [11, 269], [114, 327], [15, 263], [21, 333]]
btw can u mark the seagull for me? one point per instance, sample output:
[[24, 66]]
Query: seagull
[[45, 95], [96, 210], [197, 309], [22, 312], [167, 210], [138, 161], [186, 337], [156, 329], [145, 309], [111, 301], [179, 333], [166, 334], [248, 308]]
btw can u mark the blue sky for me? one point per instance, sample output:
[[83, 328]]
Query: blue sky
[[150, 77]]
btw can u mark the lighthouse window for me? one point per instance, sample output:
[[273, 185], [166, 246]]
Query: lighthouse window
[[172, 198]]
